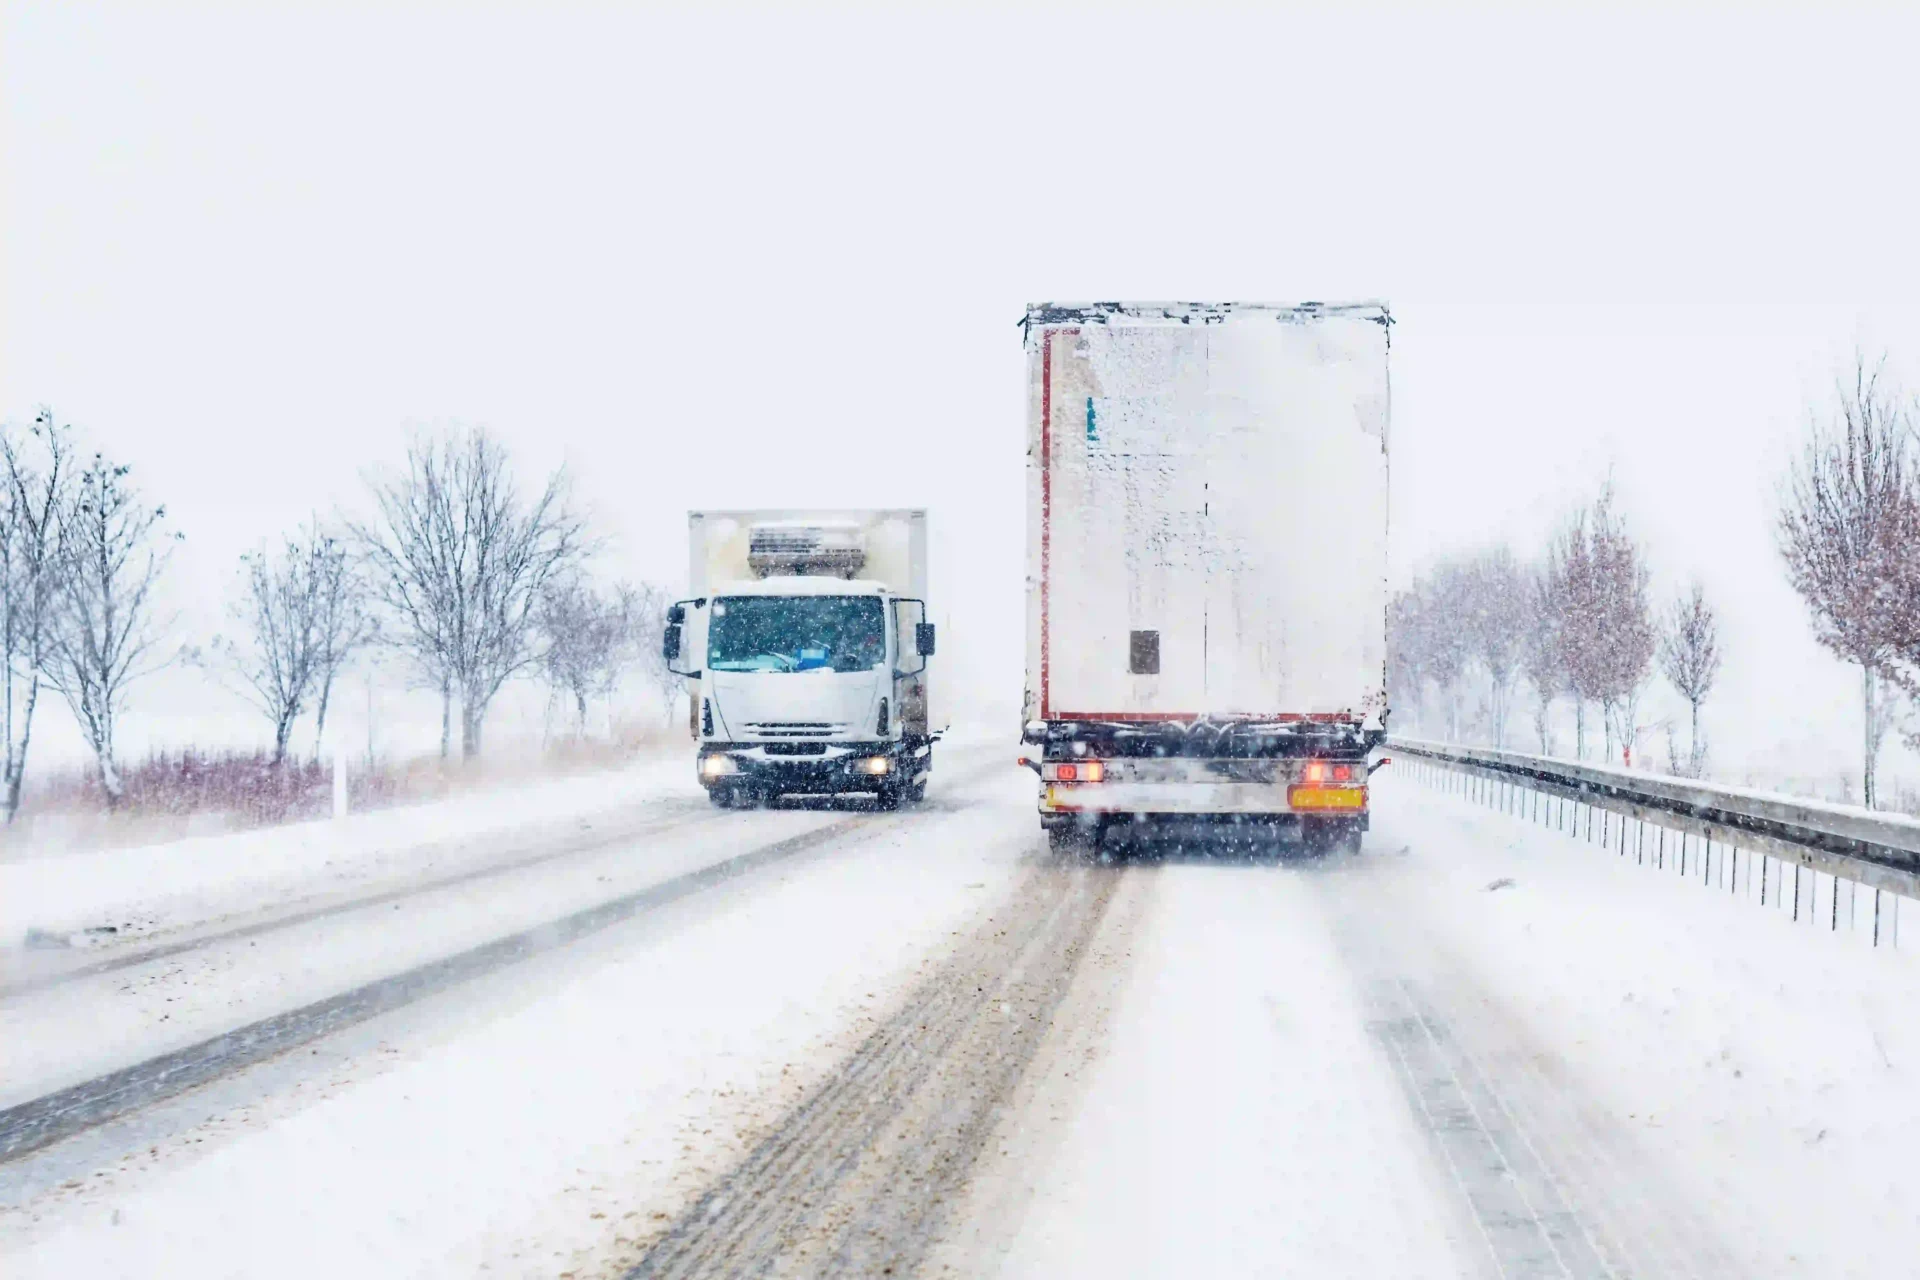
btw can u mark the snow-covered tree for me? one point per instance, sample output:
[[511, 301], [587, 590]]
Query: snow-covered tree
[[103, 628], [36, 474], [297, 617], [1690, 659], [1846, 529], [461, 562]]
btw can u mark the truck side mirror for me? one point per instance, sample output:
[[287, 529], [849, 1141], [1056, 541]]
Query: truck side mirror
[[670, 638], [676, 614], [923, 638]]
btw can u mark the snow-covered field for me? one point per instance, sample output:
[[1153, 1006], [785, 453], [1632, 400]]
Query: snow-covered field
[[59, 896], [1479, 1048]]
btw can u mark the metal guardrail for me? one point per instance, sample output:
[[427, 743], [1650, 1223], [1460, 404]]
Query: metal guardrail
[[1881, 851]]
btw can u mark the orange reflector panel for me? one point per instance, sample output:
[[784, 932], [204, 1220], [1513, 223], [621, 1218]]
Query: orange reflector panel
[[1327, 797]]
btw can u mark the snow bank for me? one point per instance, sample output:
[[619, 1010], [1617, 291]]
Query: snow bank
[[1772, 1064], [58, 899], [560, 1134]]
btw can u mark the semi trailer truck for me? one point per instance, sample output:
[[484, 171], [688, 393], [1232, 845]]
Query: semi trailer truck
[[1206, 564], [805, 645]]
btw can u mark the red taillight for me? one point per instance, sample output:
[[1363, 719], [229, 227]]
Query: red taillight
[[1083, 771], [1317, 773]]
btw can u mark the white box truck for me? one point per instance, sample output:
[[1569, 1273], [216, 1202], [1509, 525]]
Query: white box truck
[[1206, 563], [805, 645]]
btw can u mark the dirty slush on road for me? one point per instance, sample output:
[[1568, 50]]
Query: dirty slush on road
[[858, 1177]]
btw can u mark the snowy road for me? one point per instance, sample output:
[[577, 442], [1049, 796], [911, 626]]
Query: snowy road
[[836, 1042]]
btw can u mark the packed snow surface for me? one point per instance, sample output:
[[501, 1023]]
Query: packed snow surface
[[1481, 1047]]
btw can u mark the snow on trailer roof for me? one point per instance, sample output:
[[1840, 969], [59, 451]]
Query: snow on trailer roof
[[1049, 313], [799, 585]]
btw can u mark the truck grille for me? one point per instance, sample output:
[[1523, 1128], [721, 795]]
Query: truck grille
[[795, 748], [795, 729]]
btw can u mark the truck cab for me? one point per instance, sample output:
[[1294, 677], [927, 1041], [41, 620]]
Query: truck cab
[[804, 678]]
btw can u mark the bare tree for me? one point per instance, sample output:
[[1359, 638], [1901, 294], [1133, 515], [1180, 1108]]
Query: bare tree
[[1444, 638], [648, 618], [297, 621], [343, 622], [33, 509], [1540, 657], [1569, 593], [461, 562], [273, 653], [103, 629], [589, 640], [1597, 585], [1621, 620], [1495, 597], [1406, 655], [1844, 515], [1690, 659]]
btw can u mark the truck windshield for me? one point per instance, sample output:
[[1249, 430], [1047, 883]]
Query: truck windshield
[[796, 633]]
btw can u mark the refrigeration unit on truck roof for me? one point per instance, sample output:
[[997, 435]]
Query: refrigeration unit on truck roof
[[881, 545], [1207, 549]]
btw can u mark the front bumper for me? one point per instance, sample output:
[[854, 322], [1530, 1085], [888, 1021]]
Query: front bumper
[[836, 768]]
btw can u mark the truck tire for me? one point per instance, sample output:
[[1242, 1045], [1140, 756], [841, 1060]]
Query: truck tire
[[722, 797], [887, 798]]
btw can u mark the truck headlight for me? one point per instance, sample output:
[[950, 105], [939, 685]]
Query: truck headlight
[[717, 766], [875, 765]]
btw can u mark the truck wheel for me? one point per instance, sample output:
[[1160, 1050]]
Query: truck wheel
[[887, 798], [918, 791], [722, 797]]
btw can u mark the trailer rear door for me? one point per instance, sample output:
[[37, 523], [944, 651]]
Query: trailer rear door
[[1210, 516]]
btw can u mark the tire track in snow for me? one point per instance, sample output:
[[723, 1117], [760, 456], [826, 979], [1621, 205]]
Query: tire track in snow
[[31, 1125], [586, 841], [857, 1178], [1529, 1226], [1555, 1187]]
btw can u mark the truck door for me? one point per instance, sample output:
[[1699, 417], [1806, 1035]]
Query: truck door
[[909, 667]]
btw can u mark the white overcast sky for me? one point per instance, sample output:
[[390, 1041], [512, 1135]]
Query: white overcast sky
[[737, 257]]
